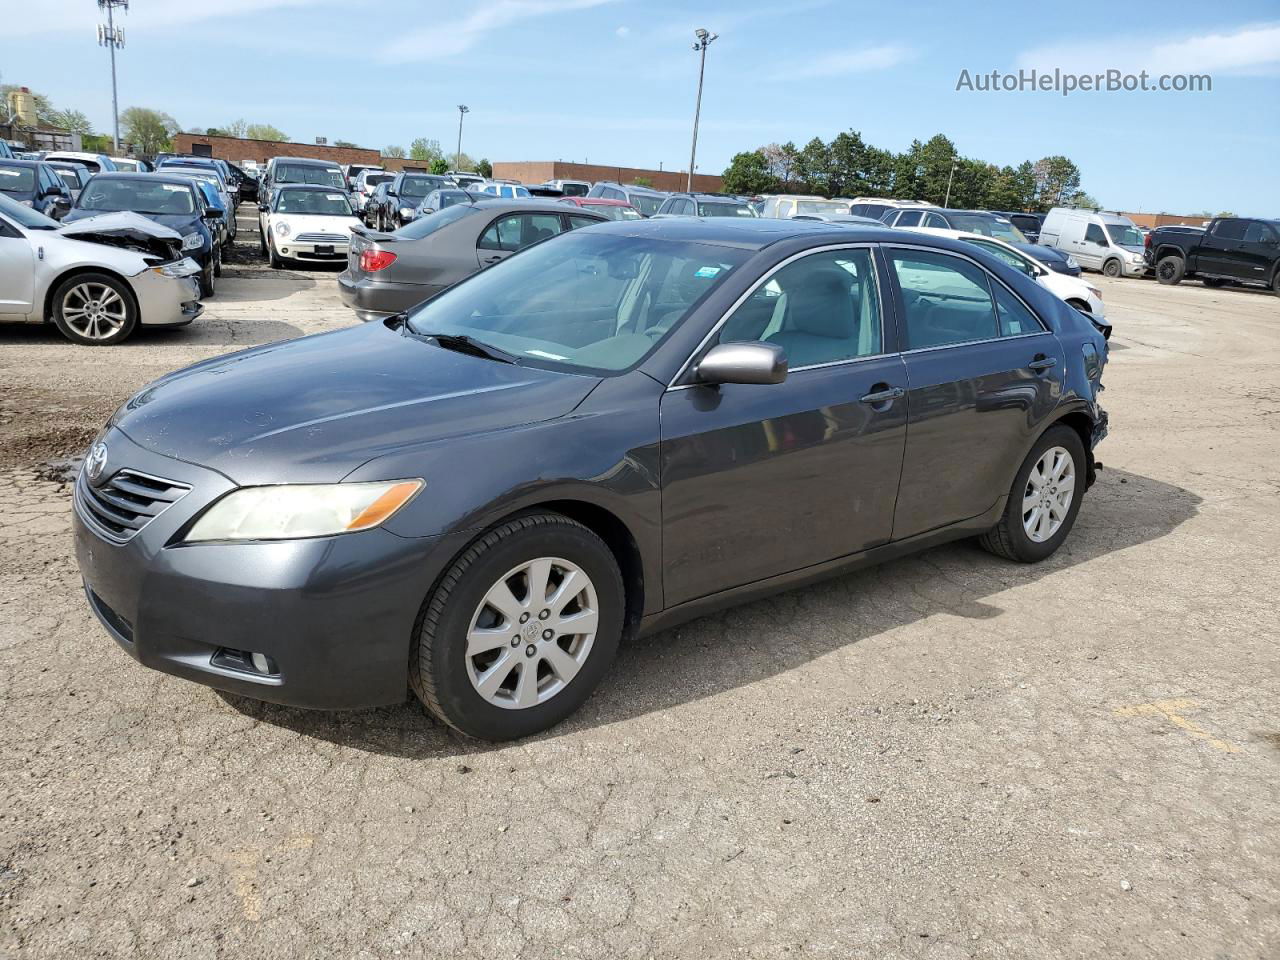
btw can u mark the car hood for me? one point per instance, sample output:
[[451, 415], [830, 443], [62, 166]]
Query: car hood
[[314, 223], [129, 230], [177, 222], [312, 410]]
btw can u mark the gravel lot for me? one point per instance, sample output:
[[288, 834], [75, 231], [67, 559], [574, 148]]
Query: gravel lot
[[949, 756]]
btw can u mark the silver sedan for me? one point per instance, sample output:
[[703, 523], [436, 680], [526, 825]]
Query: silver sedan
[[97, 279]]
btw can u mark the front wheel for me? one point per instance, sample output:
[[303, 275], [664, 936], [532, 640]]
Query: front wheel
[[1111, 268], [207, 282], [94, 309], [1170, 270], [1043, 501], [521, 629]]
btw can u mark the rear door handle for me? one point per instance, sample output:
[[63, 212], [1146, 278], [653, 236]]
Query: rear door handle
[[884, 396], [1041, 362]]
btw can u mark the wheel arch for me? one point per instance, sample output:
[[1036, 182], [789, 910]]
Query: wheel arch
[[71, 272], [1082, 424], [1168, 250]]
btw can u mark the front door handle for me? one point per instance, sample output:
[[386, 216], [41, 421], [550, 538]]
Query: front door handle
[[493, 259], [884, 396], [1041, 362]]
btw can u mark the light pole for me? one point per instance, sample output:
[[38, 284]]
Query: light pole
[[700, 47], [111, 37], [463, 110], [947, 201]]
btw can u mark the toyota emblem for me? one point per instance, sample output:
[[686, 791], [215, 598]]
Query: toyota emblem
[[95, 462]]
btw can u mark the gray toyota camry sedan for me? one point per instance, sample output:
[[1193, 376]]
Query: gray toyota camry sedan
[[614, 430]]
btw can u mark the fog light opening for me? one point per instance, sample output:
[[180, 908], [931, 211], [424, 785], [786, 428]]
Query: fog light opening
[[246, 661]]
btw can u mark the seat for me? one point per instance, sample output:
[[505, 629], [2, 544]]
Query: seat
[[821, 322]]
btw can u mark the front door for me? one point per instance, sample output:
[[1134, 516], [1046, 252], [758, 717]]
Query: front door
[[515, 231], [1091, 249], [17, 269], [759, 480], [983, 373]]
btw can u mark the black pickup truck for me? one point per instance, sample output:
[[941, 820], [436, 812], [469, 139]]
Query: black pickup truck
[[1232, 250]]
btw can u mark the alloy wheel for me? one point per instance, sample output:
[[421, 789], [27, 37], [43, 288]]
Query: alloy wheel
[[532, 633], [94, 310], [1047, 498]]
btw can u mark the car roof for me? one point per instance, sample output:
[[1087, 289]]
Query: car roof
[[748, 233], [177, 179], [306, 161], [594, 201], [308, 187], [19, 162], [519, 203]]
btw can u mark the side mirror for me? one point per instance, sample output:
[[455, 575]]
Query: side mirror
[[743, 363], [61, 206], [264, 208], [212, 214]]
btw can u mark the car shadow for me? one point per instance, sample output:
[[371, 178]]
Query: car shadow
[[746, 644]]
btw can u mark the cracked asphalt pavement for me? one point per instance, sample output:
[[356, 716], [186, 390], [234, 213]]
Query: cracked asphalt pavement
[[947, 756]]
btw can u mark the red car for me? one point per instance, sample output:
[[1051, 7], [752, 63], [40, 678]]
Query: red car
[[613, 209]]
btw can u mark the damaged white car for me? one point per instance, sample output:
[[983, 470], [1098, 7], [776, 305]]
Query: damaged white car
[[97, 279]]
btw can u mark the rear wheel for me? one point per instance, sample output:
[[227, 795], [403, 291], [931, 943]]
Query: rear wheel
[[1111, 268], [521, 629], [94, 309], [1170, 270], [1043, 501]]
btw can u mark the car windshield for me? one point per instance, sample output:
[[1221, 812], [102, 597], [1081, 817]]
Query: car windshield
[[424, 226], [645, 203], [420, 186], [821, 206], [1123, 236], [306, 173], [614, 212], [719, 209], [17, 179], [996, 227], [320, 202], [209, 178], [24, 216], [141, 196], [583, 301]]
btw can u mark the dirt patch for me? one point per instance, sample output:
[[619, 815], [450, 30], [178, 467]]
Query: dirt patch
[[38, 426]]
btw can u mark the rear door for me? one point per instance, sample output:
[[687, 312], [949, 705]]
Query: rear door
[[512, 232], [1255, 254], [982, 374]]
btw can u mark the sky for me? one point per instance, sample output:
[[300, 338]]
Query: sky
[[614, 81]]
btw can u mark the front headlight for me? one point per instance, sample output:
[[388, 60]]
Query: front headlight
[[192, 241], [293, 511], [1071, 262], [282, 229], [406, 212], [1094, 290], [1135, 258], [28, 203], [186, 267]]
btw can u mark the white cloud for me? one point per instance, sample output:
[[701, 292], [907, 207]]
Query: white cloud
[[622, 31], [846, 62], [1246, 48], [449, 38]]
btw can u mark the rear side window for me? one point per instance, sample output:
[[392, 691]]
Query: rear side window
[[575, 222], [1259, 232], [1015, 319], [909, 219], [946, 300], [519, 230]]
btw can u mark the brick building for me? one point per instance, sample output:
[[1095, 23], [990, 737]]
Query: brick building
[[533, 171], [237, 150], [1153, 220]]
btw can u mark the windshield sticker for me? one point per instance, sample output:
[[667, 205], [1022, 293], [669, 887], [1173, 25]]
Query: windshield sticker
[[706, 271], [333, 196], [173, 188], [10, 173]]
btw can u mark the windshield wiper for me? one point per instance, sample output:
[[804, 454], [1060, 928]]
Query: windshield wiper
[[465, 344]]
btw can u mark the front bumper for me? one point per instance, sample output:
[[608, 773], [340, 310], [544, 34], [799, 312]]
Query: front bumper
[[167, 301], [374, 300], [307, 251], [334, 615], [1133, 269]]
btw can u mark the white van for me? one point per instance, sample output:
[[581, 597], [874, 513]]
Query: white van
[[786, 206], [1105, 242]]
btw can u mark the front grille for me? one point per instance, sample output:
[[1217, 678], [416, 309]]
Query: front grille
[[126, 503], [322, 238]]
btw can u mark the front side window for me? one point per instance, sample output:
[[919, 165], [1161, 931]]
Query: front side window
[[933, 220], [987, 226], [725, 210], [909, 219], [821, 308], [17, 179], [646, 204], [821, 206], [1093, 234], [1230, 229], [1011, 257], [589, 301], [946, 300]]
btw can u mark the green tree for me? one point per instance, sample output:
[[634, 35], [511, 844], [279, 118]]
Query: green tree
[[393, 151], [72, 120], [236, 128], [150, 131], [813, 167], [936, 157], [643, 181], [781, 161], [908, 172], [877, 171], [424, 149], [484, 168], [1056, 178], [345, 143], [749, 173], [439, 166], [847, 159], [265, 131]]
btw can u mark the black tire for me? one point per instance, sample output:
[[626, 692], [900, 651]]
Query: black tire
[[1008, 538], [437, 661], [217, 263], [207, 283], [1112, 268], [276, 261], [262, 239], [1170, 270], [60, 303], [1275, 284]]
